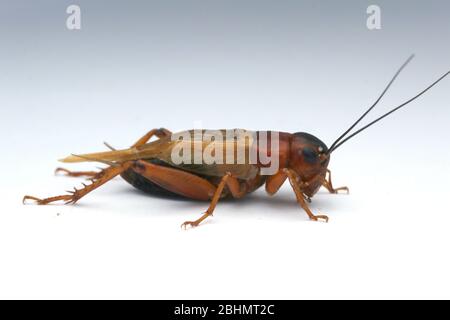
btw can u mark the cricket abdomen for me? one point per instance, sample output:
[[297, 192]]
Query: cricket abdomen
[[146, 185], [140, 182]]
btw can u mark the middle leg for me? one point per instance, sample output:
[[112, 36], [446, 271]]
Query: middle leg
[[236, 191], [190, 185]]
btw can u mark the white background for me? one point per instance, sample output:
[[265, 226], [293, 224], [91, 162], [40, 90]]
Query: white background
[[387, 239], [291, 68]]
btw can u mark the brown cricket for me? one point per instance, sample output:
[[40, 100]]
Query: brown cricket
[[150, 166]]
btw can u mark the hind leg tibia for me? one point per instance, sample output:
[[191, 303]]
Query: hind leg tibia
[[73, 196], [159, 133]]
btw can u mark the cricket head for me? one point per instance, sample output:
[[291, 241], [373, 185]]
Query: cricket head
[[309, 158]]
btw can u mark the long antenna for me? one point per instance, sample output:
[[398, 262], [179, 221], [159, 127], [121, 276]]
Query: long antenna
[[375, 103], [388, 113]]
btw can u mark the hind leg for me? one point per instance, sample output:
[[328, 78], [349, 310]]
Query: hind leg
[[73, 196], [160, 133]]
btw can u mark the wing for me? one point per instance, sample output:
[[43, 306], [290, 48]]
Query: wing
[[206, 152], [214, 153]]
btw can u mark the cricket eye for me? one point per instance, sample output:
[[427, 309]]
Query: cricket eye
[[310, 155]]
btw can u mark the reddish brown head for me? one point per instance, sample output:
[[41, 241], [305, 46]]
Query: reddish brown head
[[309, 158]]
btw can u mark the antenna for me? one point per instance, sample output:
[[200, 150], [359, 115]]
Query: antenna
[[375, 103]]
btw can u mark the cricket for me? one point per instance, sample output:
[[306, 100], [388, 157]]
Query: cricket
[[233, 165]]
